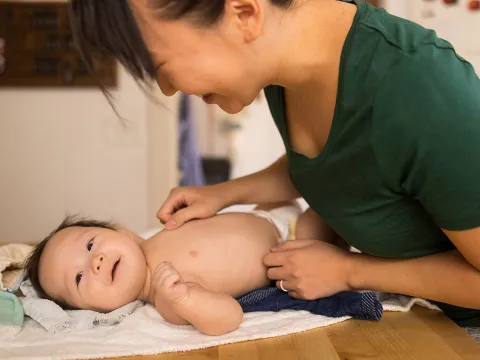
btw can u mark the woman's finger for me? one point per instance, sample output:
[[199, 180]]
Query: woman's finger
[[170, 206], [195, 211], [274, 259], [284, 285], [295, 295], [278, 273], [181, 217]]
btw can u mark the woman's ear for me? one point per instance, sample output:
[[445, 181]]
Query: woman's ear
[[130, 234], [248, 15]]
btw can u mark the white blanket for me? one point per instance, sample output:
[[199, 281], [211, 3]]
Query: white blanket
[[144, 332], [54, 319], [12, 257]]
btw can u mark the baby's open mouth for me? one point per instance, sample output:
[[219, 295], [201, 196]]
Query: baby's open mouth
[[114, 269]]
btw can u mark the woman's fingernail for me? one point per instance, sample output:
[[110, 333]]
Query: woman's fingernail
[[170, 225]]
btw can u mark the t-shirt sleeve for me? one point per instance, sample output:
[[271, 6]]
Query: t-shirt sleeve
[[426, 135]]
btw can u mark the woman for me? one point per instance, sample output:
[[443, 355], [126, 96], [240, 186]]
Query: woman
[[380, 120]]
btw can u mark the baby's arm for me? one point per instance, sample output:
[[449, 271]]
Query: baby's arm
[[189, 303]]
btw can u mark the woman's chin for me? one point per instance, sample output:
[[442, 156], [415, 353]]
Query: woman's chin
[[231, 107]]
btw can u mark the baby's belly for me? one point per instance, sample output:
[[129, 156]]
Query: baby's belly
[[224, 253]]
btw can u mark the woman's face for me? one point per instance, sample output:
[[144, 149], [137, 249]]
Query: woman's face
[[217, 62]]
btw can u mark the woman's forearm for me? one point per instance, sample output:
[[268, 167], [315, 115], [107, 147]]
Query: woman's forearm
[[269, 185], [445, 277]]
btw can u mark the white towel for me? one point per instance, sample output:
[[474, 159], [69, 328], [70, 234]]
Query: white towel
[[12, 257], [8, 332], [402, 303], [144, 332], [54, 319]]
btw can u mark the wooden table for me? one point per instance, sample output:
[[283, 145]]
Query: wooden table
[[420, 334]]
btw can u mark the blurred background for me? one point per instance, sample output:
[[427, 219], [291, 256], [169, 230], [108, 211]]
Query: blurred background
[[63, 150]]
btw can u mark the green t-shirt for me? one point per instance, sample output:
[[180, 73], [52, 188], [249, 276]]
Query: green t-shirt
[[402, 159]]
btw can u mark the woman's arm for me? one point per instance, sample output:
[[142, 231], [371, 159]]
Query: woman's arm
[[269, 185], [452, 277], [314, 269], [186, 203], [445, 277]]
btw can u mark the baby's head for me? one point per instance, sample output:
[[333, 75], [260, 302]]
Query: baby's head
[[87, 264]]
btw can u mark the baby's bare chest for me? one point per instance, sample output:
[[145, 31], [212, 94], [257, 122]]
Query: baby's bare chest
[[223, 254]]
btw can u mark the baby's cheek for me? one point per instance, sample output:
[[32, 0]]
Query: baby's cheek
[[99, 292]]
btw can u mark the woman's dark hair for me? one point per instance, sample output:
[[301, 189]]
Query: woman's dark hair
[[108, 27]]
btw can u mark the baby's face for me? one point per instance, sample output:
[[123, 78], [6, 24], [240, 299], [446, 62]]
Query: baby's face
[[93, 268]]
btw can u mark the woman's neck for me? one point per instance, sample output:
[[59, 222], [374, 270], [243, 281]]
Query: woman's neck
[[309, 44]]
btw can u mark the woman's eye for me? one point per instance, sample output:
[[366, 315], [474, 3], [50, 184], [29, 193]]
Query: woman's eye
[[78, 278], [89, 245]]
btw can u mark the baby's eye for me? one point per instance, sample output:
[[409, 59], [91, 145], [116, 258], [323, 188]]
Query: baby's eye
[[89, 245], [78, 278]]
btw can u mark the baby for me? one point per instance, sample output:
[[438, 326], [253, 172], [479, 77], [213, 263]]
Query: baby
[[191, 275]]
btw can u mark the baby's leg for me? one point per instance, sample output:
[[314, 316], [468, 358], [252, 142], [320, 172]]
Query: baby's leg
[[311, 226]]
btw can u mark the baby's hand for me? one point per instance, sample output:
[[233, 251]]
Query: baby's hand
[[168, 283]]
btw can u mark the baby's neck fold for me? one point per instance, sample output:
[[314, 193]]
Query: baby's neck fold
[[144, 294]]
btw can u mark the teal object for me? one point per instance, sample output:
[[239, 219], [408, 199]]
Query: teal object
[[11, 310]]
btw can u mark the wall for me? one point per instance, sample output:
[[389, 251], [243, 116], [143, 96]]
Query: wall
[[162, 153], [455, 23], [66, 151], [396, 7]]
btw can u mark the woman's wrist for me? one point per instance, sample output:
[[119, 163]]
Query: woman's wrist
[[230, 193], [269, 185], [358, 267]]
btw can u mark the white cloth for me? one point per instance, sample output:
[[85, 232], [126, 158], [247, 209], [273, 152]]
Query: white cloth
[[8, 332], [54, 319], [402, 303], [144, 332], [12, 258], [281, 218]]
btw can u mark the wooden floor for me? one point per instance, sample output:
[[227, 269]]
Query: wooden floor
[[420, 334]]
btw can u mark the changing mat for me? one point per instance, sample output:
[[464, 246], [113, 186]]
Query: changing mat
[[144, 332]]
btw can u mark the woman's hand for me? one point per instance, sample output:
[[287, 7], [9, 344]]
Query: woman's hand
[[310, 269], [187, 203]]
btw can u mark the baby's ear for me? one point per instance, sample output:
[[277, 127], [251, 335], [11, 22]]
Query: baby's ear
[[129, 233]]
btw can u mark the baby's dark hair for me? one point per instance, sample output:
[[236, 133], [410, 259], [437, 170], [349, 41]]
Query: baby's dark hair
[[108, 27], [33, 260]]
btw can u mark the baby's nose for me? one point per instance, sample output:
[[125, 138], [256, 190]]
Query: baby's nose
[[97, 263]]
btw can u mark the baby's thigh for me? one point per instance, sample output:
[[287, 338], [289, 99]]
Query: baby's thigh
[[311, 226]]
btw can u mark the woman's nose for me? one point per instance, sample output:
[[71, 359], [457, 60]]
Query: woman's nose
[[97, 263]]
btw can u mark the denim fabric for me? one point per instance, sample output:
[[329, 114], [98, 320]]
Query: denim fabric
[[364, 306]]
